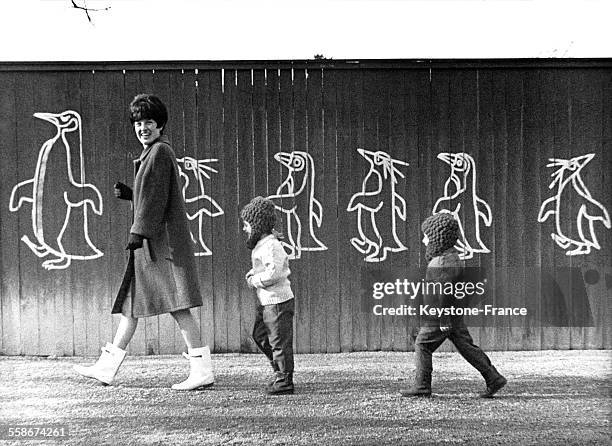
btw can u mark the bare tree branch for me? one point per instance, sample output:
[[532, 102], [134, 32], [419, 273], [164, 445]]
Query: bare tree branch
[[85, 8]]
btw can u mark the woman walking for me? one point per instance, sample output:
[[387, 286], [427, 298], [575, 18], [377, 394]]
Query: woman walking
[[161, 275]]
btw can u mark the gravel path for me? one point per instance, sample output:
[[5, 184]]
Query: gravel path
[[553, 397]]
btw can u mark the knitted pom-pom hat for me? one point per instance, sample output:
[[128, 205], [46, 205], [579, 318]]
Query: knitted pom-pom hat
[[442, 230], [259, 213]]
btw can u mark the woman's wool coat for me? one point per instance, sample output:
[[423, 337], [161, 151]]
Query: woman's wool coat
[[162, 276]]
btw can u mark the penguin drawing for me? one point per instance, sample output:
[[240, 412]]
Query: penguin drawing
[[54, 178], [295, 198], [577, 236], [197, 201], [378, 201], [461, 200]]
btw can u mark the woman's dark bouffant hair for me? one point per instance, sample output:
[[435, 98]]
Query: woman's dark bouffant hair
[[147, 106]]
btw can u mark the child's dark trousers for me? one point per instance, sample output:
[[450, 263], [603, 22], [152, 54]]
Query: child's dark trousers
[[430, 338], [273, 334]]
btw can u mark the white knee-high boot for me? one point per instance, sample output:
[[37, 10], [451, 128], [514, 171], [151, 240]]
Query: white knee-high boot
[[201, 370], [106, 367]]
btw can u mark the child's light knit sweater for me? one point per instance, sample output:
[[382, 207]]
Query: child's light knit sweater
[[270, 271]]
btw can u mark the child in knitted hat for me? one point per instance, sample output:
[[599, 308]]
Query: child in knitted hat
[[441, 234], [273, 328]]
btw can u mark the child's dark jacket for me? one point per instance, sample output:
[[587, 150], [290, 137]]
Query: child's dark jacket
[[445, 269]]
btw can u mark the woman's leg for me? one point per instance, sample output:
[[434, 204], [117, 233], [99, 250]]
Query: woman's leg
[[189, 328], [200, 363], [112, 356], [125, 331]]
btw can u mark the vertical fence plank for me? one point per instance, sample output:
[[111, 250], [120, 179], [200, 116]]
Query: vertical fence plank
[[246, 180], [328, 196], [213, 106], [474, 225], [28, 143], [170, 87], [445, 141], [185, 82], [315, 260], [587, 127], [273, 134], [491, 144], [346, 256], [372, 98], [192, 132], [117, 213], [560, 334], [405, 144], [533, 239], [300, 265], [401, 148], [279, 172], [53, 211], [260, 161], [604, 312], [230, 141], [497, 152], [551, 306], [360, 312], [578, 146], [387, 82], [517, 210], [96, 165], [260, 135], [83, 101], [197, 95], [424, 176], [10, 222], [63, 156], [563, 149], [76, 290], [548, 246], [59, 94]]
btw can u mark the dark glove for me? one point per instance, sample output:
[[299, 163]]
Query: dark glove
[[122, 191], [135, 242]]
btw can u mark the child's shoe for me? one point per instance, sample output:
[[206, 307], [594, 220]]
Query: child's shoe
[[494, 387], [416, 393], [282, 385]]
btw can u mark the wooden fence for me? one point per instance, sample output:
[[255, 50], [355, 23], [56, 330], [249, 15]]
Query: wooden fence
[[65, 138]]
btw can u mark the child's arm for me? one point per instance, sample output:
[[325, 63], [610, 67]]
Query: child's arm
[[273, 257]]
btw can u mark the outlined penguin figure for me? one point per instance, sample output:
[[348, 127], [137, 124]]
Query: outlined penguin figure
[[54, 190], [378, 201], [197, 201], [574, 234], [295, 198], [461, 200]]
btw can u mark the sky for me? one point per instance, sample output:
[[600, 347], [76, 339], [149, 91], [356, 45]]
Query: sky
[[52, 30]]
